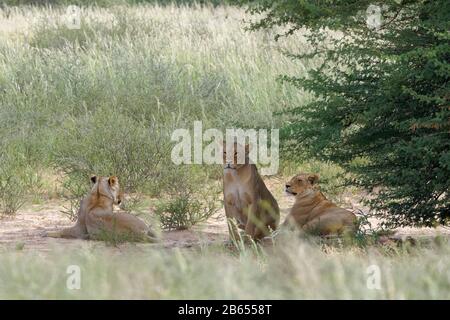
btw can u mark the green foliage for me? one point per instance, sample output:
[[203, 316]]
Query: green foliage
[[184, 211], [187, 205], [12, 191], [74, 190], [382, 99], [17, 178], [105, 98], [110, 143]]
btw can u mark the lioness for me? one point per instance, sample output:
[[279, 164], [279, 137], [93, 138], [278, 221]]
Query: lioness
[[313, 212], [96, 217], [249, 205]]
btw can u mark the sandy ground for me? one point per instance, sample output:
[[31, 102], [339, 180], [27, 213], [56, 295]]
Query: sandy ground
[[24, 230]]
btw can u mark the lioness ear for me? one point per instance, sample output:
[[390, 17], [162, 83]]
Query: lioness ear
[[93, 179], [313, 178], [113, 180]]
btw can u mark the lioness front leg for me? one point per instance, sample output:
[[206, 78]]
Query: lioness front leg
[[254, 228], [257, 225], [232, 221]]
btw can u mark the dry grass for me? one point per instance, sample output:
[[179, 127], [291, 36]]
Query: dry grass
[[293, 270]]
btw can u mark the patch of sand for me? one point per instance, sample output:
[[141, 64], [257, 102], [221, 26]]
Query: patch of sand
[[25, 229]]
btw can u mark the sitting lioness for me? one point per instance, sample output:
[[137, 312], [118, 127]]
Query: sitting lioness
[[96, 217], [249, 205], [312, 212]]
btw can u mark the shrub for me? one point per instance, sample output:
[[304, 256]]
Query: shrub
[[185, 207], [382, 99], [11, 193], [74, 190], [183, 211], [105, 98], [109, 143], [13, 181]]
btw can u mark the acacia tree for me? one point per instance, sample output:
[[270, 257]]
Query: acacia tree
[[382, 93]]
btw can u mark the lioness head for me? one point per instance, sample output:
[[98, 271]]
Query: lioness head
[[301, 182], [232, 159], [108, 187]]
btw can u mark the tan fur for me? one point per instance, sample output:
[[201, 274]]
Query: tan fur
[[249, 205], [312, 211], [96, 216]]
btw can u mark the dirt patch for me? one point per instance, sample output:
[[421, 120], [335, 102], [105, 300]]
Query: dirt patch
[[24, 230]]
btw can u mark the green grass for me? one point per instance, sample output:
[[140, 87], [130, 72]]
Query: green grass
[[105, 98], [295, 270]]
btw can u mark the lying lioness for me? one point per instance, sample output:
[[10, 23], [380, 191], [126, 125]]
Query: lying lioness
[[249, 205], [313, 212], [96, 217]]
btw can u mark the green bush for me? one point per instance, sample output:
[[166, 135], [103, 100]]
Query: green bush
[[187, 204], [11, 193], [182, 212], [382, 99], [15, 180], [73, 191], [104, 99], [110, 143]]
